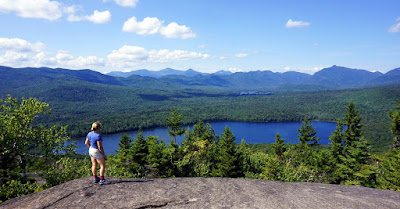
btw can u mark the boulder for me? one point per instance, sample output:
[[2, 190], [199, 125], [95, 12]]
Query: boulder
[[204, 193]]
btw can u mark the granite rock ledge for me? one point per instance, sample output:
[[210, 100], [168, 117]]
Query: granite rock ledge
[[204, 193]]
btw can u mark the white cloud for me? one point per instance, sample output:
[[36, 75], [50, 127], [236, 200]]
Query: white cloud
[[149, 25], [127, 56], [19, 52], [287, 68], [133, 55], [19, 45], [235, 70], [241, 55], [125, 3], [12, 57], [40, 59], [173, 30], [64, 56], [165, 55], [152, 25], [97, 17], [100, 17], [296, 24], [64, 59], [45, 9], [396, 27]]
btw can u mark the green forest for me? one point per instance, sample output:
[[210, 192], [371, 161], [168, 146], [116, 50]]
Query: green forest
[[27, 146], [126, 108]]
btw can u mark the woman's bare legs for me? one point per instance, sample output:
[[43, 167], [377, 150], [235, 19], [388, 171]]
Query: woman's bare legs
[[102, 163], [94, 166]]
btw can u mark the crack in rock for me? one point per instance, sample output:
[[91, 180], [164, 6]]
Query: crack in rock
[[163, 204], [69, 194]]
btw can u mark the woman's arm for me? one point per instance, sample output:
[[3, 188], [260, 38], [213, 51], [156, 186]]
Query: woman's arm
[[101, 149], [87, 143]]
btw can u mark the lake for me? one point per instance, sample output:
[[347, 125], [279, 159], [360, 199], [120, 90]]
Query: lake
[[253, 133]]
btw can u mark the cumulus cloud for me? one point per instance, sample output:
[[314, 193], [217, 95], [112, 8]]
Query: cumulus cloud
[[11, 57], [296, 24], [97, 17], [125, 3], [165, 55], [149, 26], [133, 55], [19, 45], [64, 59], [396, 27], [173, 30], [241, 55], [19, 52], [127, 56], [45, 9], [152, 25]]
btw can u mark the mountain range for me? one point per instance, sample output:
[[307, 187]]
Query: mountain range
[[334, 77]]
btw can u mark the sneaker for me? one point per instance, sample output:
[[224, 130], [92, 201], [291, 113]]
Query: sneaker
[[104, 182], [96, 180]]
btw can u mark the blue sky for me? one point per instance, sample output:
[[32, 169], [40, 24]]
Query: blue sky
[[205, 35]]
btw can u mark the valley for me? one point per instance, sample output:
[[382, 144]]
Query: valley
[[77, 98]]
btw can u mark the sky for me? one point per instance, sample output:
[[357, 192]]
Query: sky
[[204, 35]]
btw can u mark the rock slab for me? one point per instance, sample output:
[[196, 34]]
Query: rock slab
[[204, 193]]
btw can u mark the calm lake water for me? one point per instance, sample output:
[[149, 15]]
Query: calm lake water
[[253, 133]]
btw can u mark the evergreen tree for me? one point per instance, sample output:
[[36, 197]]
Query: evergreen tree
[[279, 146], [243, 158], [354, 168], [395, 125], [307, 133], [304, 155], [154, 151], [174, 124], [389, 177], [139, 149], [353, 122], [124, 144], [336, 150], [226, 155]]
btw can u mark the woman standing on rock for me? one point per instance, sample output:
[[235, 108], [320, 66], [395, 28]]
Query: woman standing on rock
[[96, 152]]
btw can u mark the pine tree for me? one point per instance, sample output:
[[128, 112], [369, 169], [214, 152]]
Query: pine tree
[[124, 144], [243, 158], [353, 122], [354, 168], [174, 124], [336, 150], [395, 125], [226, 158], [305, 155], [307, 133], [389, 177], [279, 146], [139, 149]]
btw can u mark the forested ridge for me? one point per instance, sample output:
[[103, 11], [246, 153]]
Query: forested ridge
[[347, 160], [77, 98]]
